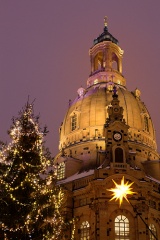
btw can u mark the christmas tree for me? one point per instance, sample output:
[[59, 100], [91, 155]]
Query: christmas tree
[[30, 200]]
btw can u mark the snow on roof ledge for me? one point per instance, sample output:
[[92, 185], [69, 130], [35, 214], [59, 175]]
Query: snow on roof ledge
[[76, 176], [153, 179]]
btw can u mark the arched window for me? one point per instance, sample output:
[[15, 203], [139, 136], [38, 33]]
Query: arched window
[[85, 231], [153, 230], [73, 122], [121, 228], [115, 64], [61, 170], [98, 61], [146, 125], [119, 155]]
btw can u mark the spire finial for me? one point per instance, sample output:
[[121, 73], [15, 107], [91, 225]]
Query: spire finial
[[105, 21]]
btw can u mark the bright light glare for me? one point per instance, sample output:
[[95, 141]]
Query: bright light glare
[[121, 191]]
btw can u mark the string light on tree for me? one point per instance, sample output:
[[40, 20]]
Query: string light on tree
[[29, 196]]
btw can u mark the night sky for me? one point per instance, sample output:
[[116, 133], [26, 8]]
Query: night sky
[[44, 55]]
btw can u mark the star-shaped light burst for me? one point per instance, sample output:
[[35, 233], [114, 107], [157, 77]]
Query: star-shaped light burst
[[121, 191]]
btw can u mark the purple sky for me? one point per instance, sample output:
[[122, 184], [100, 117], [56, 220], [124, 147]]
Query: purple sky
[[44, 54]]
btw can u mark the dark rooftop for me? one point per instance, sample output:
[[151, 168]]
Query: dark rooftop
[[105, 36]]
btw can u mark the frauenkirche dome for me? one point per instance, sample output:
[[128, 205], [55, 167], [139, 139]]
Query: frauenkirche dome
[[82, 131]]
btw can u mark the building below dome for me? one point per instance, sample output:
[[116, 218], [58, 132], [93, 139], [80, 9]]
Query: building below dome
[[107, 134]]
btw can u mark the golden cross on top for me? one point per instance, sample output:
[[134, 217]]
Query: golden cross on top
[[105, 21]]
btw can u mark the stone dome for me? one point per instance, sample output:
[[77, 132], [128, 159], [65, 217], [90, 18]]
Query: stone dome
[[90, 113], [82, 135]]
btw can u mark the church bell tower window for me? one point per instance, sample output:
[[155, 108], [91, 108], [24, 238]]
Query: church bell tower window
[[121, 228], [115, 65], [98, 61]]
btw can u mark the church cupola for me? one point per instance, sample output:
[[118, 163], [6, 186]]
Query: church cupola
[[105, 122], [106, 59]]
